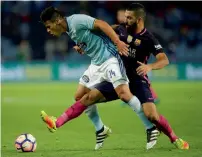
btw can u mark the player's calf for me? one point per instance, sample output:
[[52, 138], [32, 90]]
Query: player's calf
[[152, 133], [163, 125], [150, 111], [78, 107]]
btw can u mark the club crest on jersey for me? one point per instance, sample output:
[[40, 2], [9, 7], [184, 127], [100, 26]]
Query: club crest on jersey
[[82, 45], [137, 42], [129, 39]]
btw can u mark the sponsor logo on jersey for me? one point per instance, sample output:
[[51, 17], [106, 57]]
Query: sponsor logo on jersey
[[85, 78], [157, 47], [137, 42]]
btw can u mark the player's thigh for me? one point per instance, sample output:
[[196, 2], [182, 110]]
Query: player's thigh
[[143, 92], [81, 91], [107, 91], [154, 94], [141, 89], [115, 73], [92, 76]]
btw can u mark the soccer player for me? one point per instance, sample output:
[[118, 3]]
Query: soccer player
[[120, 18], [106, 65], [142, 44]]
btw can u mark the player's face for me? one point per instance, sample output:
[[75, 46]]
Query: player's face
[[131, 20], [121, 16], [53, 28]]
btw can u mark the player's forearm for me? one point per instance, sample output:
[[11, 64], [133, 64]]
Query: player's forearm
[[160, 63], [107, 29], [114, 27]]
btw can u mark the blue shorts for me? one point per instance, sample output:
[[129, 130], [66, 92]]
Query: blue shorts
[[141, 89]]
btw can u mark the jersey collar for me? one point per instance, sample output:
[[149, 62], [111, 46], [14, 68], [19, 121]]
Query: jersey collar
[[67, 19], [142, 32]]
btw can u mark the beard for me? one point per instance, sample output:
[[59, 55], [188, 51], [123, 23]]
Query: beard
[[132, 27]]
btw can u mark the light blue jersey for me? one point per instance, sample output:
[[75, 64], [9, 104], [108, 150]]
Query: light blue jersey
[[95, 44]]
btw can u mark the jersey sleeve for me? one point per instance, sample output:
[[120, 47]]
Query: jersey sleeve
[[81, 21], [155, 46]]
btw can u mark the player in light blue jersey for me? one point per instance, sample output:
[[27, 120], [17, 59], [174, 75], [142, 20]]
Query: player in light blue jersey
[[100, 42], [95, 45]]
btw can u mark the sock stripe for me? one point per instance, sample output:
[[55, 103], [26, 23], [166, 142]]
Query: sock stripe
[[99, 141], [100, 138], [101, 135]]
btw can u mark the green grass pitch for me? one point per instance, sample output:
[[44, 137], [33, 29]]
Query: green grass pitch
[[22, 103]]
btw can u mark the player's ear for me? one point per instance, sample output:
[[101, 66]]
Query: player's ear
[[56, 21], [59, 21], [140, 18]]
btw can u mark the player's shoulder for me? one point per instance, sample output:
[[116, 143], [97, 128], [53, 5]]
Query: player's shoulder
[[120, 28], [73, 16], [153, 40], [78, 16], [75, 21], [70, 19], [149, 34]]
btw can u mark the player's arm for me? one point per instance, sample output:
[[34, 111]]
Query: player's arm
[[114, 27], [108, 30], [161, 61], [161, 58], [81, 22], [158, 52]]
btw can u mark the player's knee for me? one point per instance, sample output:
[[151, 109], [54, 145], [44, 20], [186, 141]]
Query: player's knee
[[125, 96], [124, 93], [87, 99], [122, 96], [90, 98], [76, 97]]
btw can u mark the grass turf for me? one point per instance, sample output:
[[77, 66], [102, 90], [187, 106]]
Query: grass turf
[[22, 103]]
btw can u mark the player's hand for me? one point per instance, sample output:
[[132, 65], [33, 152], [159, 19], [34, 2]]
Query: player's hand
[[122, 48], [143, 69], [78, 49]]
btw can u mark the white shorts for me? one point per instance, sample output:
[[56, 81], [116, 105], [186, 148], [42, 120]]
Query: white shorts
[[110, 71]]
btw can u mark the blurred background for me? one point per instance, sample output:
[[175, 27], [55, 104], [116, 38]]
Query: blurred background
[[29, 52]]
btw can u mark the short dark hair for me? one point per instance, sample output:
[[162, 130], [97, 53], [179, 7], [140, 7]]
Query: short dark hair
[[121, 9], [50, 13], [139, 10]]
